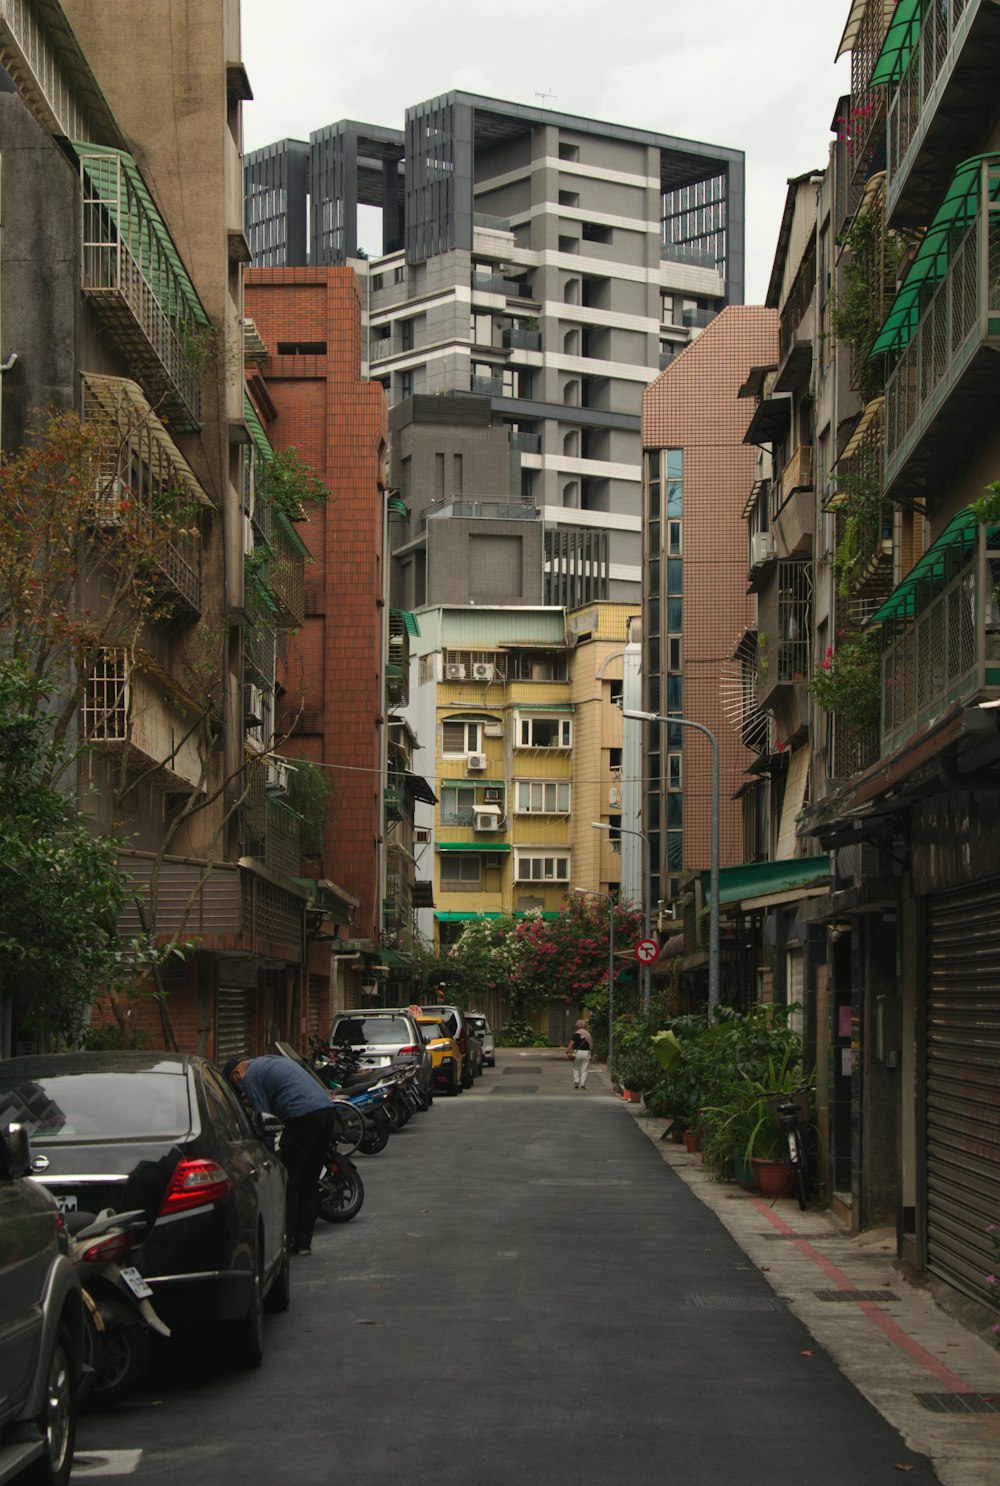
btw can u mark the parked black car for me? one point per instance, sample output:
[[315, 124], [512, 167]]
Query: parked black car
[[164, 1133]]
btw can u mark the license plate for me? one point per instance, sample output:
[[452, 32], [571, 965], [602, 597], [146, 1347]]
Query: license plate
[[66, 1204], [136, 1283]]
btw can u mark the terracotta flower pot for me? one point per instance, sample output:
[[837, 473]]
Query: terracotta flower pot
[[773, 1178], [692, 1141]]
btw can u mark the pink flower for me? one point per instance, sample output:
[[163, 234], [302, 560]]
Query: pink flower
[[991, 1279]]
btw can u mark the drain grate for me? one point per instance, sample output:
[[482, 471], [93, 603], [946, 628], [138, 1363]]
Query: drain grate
[[735, 1302], [855, 1295], [960, 1403]]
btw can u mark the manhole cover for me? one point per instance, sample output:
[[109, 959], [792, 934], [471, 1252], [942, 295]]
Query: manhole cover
[[960, 1403], [735, 1302], [871, 1295], [515, 1089], [523, 1068]]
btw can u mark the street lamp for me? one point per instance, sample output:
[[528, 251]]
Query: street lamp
[[713, 912], [593, 892], [600, 825]]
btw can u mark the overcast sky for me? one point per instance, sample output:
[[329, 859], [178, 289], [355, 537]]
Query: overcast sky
[[759, 78]]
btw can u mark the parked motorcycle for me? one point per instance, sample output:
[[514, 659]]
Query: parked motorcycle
[[341, 1190], [120, 1317]]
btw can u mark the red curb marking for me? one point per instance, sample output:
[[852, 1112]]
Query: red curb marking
[[885, 1323]]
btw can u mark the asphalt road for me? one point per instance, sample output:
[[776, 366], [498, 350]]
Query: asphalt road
[[529, 1293]]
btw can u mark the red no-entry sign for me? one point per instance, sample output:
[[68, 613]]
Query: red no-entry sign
[[646, 951]]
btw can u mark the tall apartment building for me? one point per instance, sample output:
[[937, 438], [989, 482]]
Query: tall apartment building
[[546, 264]]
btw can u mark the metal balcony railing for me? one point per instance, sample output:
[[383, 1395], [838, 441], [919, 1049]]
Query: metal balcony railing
[[259, 639], [948, 652], [486, 510], [133, 276], [270, 829], [286, 572], [962, 315], [940, 26]]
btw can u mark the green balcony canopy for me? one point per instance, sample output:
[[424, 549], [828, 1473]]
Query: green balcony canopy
[[935, 569], [760, 879], [397, 508], [489, 846], [408, 621], [461, 918], [261, 441], [900, 39], [959, 208]]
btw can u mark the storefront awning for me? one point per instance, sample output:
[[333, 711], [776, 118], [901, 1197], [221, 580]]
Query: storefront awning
[[753, 880], [958, 209], [900, 39]]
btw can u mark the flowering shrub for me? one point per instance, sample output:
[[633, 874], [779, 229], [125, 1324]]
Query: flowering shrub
[[849, 682]]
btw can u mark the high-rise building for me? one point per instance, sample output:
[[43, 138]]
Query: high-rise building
[[546, 264]]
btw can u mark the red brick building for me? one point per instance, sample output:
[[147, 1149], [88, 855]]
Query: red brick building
[[307, 388]]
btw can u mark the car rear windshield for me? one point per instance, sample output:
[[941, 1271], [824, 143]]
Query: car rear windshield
[[432, 1030], [98, 1106], [478, 1023], [380, 1029]]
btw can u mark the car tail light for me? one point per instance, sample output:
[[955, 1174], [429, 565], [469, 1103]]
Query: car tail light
[[463, 1041], [411, 1049], [108, 1250], [193, 1184]]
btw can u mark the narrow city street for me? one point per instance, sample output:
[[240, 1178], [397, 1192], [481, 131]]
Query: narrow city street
[[529, 1291]]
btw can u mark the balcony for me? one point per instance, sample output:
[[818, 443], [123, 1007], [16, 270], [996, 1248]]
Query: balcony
[[526, 443], [134, 278], [285, 576], [131, 705], [270, 829], [381, 348], [942, 631], [480, 510], [495, 283], [944, 59], [945, 322], [796, 331], [259, 638], [486, 386], [522, 340], [792, 502], [784, 608]]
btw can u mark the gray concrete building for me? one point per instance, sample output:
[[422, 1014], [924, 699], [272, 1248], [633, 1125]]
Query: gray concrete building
[[546, 264]]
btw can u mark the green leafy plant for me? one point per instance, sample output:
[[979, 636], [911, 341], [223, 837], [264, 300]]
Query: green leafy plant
[[309, 790], [849, 682]]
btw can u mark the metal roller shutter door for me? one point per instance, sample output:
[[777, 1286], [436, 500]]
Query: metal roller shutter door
[[232, 1022], [963, 1083]]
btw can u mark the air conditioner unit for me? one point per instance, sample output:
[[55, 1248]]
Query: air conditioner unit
[[615, 796], [475, 762], [253, 706], [454, 672], [761, 547], [493, 796], [483, 822], [248, 537], [276, 776], [482, 671], [492, 729], [421, 834]]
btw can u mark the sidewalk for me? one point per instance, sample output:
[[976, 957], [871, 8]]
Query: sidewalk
[[925, 1372]]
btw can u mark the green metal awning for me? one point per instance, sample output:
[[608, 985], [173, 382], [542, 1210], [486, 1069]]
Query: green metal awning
[[473, 846], [398, 508], [761, 879], [291, 535], [395, 959], [936, 568], [134, 230], [409, 622], [956, 212], [458, 918], [900, 39], [261, 441]]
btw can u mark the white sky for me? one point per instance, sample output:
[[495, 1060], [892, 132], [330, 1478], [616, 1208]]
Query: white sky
[[760, 78]]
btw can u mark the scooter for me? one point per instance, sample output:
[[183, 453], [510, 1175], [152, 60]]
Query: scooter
[[341, 1190], [119, 1314]]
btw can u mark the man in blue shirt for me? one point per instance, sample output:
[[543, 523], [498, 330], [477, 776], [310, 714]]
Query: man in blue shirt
[[280, 1087]]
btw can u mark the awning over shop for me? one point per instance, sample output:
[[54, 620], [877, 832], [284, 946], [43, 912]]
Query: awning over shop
[[930, 263], [900, 39], [752, 880], [473, 846], [935, 569]]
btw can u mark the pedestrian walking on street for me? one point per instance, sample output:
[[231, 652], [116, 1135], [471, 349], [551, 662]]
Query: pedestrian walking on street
[[579, 1048], [288, 1091]]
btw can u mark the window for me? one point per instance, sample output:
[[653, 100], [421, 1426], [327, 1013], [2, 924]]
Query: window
[[398, 275], [544, 732], [569, 151], [460, 737], [458, 804], [406, 335], [460, 871], [406, 384], [569, 198], [532, 867], [526, 666], [542, 797], [302, 348], [377, 282], [595, 232]]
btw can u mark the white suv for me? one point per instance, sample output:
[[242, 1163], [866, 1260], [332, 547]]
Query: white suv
[[382, 1037], [482, 1029]]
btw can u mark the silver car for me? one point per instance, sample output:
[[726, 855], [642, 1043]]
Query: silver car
[[380, 1038], [484, 1032]]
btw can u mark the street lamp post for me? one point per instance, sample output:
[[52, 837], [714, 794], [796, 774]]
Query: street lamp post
[[600, 825], [592, 892], [713, 912]]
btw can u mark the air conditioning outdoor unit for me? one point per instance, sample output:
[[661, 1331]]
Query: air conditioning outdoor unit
[[761, 547], [492, 729], [422, 834], [475, 762], [276, 776], [482, 671], [483, 822], [248, 537], [454, 672], [493, 796], [615, 796]]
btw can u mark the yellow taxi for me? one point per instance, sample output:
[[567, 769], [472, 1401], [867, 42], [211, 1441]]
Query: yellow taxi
[[446, 1057]]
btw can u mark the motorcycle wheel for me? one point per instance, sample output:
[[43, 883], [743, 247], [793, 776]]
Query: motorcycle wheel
[[121, 1360], [348, 1128], [341, 1194], [376, 1139]]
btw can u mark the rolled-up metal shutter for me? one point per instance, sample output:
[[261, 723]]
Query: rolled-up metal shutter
[[232, 1022], [963, 1083]]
